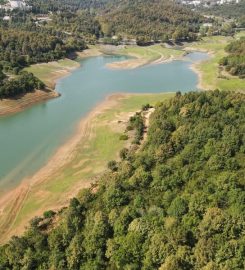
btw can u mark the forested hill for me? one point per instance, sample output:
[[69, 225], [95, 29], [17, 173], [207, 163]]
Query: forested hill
[[152, 20], [144, 19], [178, 203], [43, 6]]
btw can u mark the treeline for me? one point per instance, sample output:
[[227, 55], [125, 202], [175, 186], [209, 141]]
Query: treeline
[[235, 61], [146, 20], [23, 43], [151, 19], [24, 83], [45, 6], [82, 23], [178, 203], [20, 48]]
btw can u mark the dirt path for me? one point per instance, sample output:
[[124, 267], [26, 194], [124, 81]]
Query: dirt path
[[147, 116]]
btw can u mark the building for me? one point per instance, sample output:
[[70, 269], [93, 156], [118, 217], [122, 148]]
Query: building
[[6, 18], [206, 2], [15, 4]]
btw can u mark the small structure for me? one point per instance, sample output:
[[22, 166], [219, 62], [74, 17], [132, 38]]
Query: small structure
[[207, 25], [15, 4], [207, 3], [6, 18]]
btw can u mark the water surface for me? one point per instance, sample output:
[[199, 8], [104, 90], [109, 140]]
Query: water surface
[[28, 139]]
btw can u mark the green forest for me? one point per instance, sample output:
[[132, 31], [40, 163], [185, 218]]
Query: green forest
[[177, 203], [235, 61], [154, 20], [21, 48], [24, 83], [44, 6]]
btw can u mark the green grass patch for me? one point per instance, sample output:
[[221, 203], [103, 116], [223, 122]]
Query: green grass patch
[[151, 53], [210, 68], [48, 72]]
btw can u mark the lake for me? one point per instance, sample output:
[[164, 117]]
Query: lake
[[29, 138]]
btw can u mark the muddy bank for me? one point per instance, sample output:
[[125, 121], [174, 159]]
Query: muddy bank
[[20, 103], [139, 62]]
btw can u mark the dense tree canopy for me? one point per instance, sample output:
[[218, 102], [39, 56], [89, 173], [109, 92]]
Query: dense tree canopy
[[24, 83], [154, 19], [20, 48], [177, 203], [44, 6], [235, 61], [151, 19]]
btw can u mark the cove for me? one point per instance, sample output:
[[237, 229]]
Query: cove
[[28, 139]]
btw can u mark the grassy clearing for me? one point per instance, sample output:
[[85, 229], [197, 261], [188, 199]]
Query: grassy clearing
[[100, 145], [151, 53], [143, 55], [49, 72], [211, 76]]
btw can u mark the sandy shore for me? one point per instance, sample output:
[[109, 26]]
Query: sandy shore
[[89, 53], [127, 64], [12, 202], [195, 67], [200, 85]]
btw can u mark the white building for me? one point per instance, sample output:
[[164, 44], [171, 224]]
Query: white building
[[207, 2], [15, 4], [6, 18]]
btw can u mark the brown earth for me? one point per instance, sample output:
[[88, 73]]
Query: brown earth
[[19, 103]]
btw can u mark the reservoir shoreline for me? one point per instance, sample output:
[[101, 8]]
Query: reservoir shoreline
[[11, 175], [18, 104], [22, 102], [12, 201]]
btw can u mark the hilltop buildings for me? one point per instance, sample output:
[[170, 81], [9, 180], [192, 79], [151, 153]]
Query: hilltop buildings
[[207, 2], [15, 4]]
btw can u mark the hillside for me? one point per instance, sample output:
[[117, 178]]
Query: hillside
[[177, 203], [151, 20]]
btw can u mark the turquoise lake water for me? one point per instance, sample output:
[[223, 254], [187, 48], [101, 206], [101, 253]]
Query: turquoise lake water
[[28, 139]]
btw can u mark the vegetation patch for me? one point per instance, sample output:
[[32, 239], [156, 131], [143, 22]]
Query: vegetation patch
[[235, 61], [211, 76]]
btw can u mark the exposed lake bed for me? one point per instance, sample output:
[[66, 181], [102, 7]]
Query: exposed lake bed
[[82, 90], [43, 140]]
